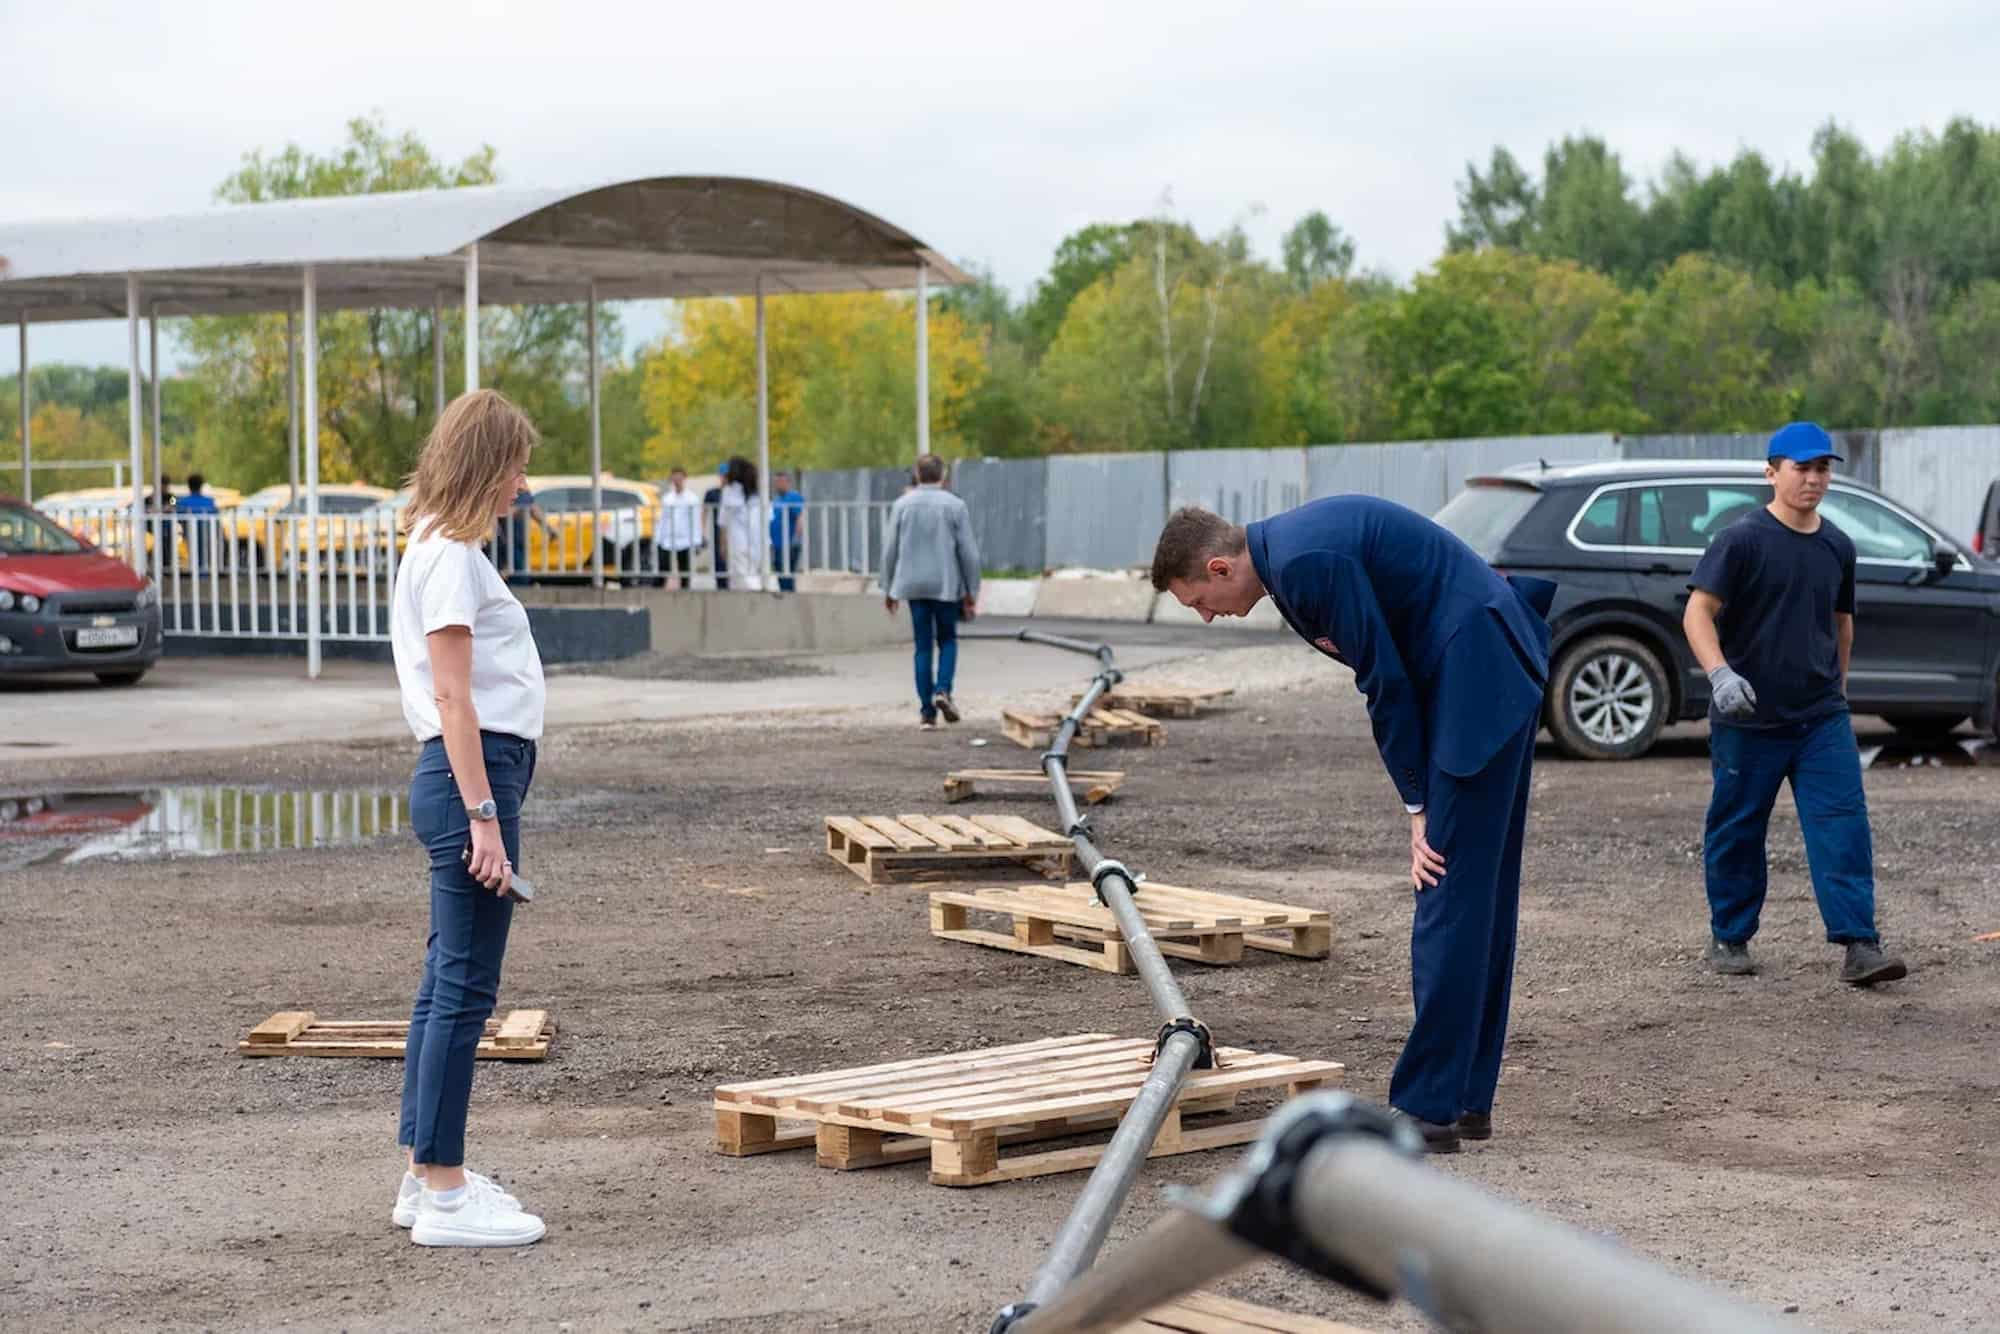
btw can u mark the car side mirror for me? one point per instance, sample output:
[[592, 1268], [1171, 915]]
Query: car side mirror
[[1944, 559]]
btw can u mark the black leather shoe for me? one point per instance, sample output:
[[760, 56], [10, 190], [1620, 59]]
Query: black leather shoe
[[1731, 958], [1437, 1138], [1866, 965], [1475, 1125]]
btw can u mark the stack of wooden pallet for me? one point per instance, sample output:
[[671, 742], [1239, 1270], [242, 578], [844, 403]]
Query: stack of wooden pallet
[[1186, 923], [519, 1035], [880, 848], [1161, 701], [961, 1109], [1100, 727]]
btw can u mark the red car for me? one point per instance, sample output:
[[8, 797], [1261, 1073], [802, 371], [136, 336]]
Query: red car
[[65, 606]]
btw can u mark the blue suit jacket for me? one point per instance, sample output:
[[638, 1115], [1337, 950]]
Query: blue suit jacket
[[1452, 657]]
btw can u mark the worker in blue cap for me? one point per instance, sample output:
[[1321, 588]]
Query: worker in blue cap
[[1770, 618], [1453, 660]]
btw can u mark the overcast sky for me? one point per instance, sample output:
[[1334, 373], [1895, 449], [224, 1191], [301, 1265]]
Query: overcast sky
[[988, 130]]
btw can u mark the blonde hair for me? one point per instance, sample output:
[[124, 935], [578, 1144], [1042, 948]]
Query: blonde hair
[[480, 441]]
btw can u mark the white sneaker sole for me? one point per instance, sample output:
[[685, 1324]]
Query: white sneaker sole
[[404, 1215], [430, 1232]]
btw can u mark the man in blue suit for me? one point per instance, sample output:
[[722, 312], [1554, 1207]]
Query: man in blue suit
[[1453, 660]]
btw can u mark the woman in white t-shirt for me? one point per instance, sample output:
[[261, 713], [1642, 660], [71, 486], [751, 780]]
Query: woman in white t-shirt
[[472, 691], [742, 519]]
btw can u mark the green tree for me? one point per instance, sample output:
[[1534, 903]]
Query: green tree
[[1496, 208], [1082, 258], [1315, 250], [375, 366], [1704, 343], [1586, 212]]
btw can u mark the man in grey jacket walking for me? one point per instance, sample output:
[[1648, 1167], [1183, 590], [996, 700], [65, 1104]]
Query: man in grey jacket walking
[[930, 561]]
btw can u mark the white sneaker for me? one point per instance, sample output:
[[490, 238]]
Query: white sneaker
[[478, 1219], [411, 1190]]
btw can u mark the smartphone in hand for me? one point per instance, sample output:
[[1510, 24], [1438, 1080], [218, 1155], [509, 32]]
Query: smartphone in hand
[[519, 887]]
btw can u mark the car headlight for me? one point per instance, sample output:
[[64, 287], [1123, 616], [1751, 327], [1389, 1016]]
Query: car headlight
[[6, 600], [30, 603], [149, 596]]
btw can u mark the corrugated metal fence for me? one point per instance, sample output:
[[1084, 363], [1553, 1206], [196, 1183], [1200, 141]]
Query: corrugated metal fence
[[1104, 510]]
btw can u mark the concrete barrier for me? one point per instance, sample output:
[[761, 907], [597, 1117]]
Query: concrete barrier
[[1008, 597], [1167, 610], [733, 622], [1088, 595]]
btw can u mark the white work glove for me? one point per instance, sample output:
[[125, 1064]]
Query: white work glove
[[1732, 694]]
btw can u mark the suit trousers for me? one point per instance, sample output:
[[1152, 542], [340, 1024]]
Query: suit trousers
[[1462, 937]]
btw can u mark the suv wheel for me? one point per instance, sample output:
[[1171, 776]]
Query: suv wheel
[[1608, 699], [1924, 726]]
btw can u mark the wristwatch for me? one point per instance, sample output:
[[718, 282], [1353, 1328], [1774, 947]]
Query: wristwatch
[[485, 810]]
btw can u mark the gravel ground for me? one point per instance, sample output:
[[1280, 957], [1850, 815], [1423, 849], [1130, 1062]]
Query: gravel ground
[[1792, 1140]]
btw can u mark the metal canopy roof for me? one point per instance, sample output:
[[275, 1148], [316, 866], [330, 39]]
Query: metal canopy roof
[[666, 236]]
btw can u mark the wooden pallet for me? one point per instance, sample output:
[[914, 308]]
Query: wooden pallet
[[1161, 701], [1186, 923], [961, 1109], [519, 1035], [1100, 727], [1207, 1313], [1095, 784], [880, 848]]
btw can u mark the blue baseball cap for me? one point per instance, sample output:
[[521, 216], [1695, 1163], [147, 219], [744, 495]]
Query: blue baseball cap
[[1802, 442]]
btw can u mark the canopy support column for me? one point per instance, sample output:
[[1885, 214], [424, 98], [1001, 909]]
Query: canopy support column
[[311, 414], [596, 443], [292, 398], [923, 361], [472, 317], [763, 431], [159, 444], [437, 355], [27, 445], [136, 554]]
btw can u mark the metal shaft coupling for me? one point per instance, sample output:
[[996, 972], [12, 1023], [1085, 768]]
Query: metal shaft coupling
[[1109, 867], [1258, 1202], [1009, 1316], [1207, 1059]]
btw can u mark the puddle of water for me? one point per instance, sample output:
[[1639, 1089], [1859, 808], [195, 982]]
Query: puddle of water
[[1954, 753], [50, 828]]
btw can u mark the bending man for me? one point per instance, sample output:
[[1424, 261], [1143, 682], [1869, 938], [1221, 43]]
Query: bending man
[[1453, 661]]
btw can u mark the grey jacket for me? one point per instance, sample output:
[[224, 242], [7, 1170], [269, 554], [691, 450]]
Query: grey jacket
[[929, 551]]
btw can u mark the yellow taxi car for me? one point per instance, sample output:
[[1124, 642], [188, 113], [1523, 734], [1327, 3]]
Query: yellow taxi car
[[560, 546], [97, 514], [275, 534]]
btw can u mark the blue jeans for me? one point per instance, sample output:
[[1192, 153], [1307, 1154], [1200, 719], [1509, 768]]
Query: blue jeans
[[1824, 767], [934, 621], [467, 939]]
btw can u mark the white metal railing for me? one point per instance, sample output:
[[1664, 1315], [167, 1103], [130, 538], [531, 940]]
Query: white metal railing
[[244, 573]]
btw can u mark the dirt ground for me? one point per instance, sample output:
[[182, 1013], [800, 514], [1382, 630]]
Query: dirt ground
[[1799, 1143]]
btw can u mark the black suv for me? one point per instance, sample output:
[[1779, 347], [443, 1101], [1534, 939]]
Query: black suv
[[1621, 539]]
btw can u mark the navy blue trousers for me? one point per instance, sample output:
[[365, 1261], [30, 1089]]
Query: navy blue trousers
[[468, 936], [934, 622], [1462, 938], [1823, 765]]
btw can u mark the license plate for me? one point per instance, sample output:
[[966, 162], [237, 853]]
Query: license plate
[[116, 636]]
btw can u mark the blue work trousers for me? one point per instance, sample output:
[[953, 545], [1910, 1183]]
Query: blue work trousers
[[1462, 937], [936, 625], [467, 939], [1823, 765]]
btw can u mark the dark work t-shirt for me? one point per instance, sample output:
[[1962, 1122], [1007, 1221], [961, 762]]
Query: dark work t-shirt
[[1780, 590]]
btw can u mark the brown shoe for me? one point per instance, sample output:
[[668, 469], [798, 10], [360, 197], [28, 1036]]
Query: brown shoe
[[1437, 1138], [1475, 1125]]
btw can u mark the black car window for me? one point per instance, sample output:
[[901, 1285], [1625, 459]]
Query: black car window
[[560, 499], [24, 532], [1878, 532], [1482, 516], [1688, 515], [1602, 523]]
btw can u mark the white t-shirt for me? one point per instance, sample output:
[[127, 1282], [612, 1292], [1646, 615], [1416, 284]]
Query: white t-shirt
[[678, 527], [743, 523], [439, 583]]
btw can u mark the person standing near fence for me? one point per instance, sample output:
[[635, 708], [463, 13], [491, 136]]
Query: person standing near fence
[[471, 682], [677, 529], [931, 561], [1770, 618], [711, 506], [788, 509], [521, 511], [197, 510], [742, 521], [1453, 660]]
